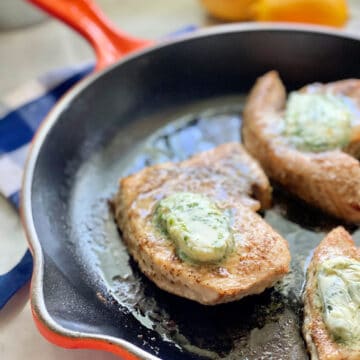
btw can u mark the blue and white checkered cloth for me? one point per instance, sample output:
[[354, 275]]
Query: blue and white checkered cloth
[[20, 115]]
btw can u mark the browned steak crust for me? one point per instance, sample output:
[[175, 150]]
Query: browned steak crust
[[329, 180], [320, 343], [228, 176]]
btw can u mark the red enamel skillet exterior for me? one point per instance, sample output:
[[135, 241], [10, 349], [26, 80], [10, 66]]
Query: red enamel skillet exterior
[[214, 62]]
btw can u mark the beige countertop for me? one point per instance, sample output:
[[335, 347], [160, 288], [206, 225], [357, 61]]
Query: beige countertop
[[29, 52]]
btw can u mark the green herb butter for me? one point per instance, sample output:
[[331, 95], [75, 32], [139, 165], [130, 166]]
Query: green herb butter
[[199, 229], [339, 291], [317, 122]]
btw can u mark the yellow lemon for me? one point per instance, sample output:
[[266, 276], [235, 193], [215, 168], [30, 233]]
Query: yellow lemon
[[324, 12]]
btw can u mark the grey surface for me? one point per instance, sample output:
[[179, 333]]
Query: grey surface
[[29, 52]]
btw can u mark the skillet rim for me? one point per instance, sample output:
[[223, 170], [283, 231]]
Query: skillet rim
[[47, 326]]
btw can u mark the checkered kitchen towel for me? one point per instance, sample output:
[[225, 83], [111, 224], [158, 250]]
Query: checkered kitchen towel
[[20, 115]]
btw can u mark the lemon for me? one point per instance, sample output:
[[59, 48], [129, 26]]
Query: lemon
[[324, 12]]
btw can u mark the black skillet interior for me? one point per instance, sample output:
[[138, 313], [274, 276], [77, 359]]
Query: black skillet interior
[[90, 284]]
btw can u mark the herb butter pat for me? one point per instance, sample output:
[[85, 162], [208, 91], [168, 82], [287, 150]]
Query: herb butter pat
[[200, 230], [339, 291], [317, 122]]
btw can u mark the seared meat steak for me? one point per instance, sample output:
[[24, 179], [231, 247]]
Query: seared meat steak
[[305, 145], [332, 299], [223, 181]]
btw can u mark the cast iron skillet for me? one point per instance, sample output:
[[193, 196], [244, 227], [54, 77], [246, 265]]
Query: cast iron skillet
[[163, 103]]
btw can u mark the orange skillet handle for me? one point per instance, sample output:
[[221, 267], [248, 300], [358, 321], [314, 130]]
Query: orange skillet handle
[[85, 17]]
